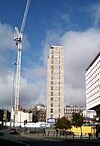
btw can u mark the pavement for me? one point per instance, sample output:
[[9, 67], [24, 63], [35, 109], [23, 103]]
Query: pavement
[[42, 136]]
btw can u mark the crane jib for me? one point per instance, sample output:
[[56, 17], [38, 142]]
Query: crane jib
[[25, 16]]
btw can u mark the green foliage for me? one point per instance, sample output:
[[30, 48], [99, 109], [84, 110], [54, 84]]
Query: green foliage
[[77, 120], [63, 123]]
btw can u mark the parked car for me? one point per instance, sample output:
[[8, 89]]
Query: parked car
[[13, 131]]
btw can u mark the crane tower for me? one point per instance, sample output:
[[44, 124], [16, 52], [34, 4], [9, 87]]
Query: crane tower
[[19, 40]]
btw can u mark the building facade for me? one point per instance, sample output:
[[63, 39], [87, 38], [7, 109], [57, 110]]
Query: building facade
[[22, 115], [55, 83], [92, 76], [70, 109], [89, 116], [39, 113]]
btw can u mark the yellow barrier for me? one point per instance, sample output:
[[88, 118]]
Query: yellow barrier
[[85, 130]]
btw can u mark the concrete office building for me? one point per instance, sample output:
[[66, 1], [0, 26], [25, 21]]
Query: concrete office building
[[55, 83], [93, 85]]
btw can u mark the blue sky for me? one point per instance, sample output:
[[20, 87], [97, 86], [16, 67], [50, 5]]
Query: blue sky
[[72, 23]]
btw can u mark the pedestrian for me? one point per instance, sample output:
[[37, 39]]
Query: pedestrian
[[43, 131]]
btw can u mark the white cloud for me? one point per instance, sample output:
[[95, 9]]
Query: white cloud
[[8, 51], [80, 49], [6, 37], [6, 90], [33, 92]]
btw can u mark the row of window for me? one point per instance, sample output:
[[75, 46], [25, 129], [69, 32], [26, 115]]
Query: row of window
[[94, 72], [55, 71], [52, 104], [55, 93], [56, 78], [88, 92], [96, 80], [92, 99], [51, 111], [92, 95], [56, 57], [52, 116], [56, 62], [93, 67], [56, 82], [58, 52], [55, 67], [52, 98], [57, 88]]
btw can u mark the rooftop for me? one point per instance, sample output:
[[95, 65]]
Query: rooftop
[[93, 61]]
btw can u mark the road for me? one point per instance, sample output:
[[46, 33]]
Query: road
[[38, 140]]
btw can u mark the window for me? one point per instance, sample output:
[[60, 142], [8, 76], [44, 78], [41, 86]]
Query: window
[[52, 67], [52, 61], [52, 56], [51, 71], [51, 110], [51, 82], [51, 93], [59, 88], [51, 115], [51, 87], [51, 98], [51, 104], [51, 77], [52, 51], [59, 110], [59, 93]]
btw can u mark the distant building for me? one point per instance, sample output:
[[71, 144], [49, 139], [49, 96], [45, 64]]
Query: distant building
[[89, 113], [39, 113], [22, 115], [6, 115], [55, 96], [89, 116], [70, 109]]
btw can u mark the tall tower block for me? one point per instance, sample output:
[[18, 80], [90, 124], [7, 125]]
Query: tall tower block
[[55, 83]]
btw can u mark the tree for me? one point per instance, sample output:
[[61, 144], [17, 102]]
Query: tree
[[1, 116], [77, 120], [63, 123]]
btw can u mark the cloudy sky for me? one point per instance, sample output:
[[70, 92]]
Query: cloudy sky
[[75, 24]]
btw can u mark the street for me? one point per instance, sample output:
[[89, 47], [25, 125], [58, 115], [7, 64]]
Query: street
[[38, 140]]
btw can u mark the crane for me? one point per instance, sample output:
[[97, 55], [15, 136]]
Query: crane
[[19, 40]]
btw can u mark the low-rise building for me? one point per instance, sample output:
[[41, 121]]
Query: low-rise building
[[70, 109], [39, 113]]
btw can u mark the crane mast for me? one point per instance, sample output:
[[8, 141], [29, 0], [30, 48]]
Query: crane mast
[[18, 40]]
